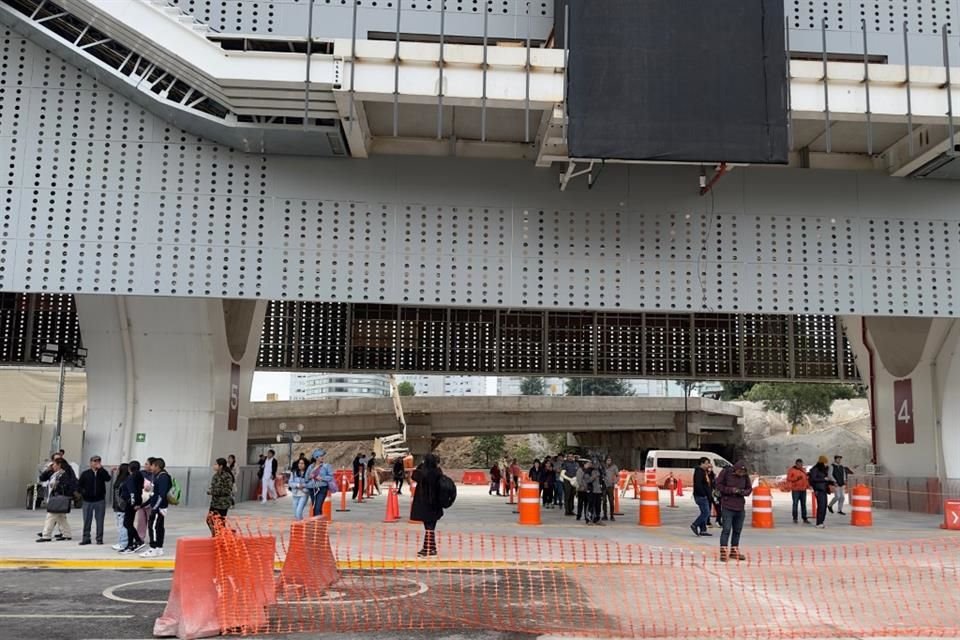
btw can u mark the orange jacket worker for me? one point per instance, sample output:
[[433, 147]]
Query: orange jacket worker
[[798, 482]]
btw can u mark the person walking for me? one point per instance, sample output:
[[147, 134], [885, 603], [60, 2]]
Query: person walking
[[701, 496], [63, 484], [558, 482], [221, 495], [548, 479], [268, 477], [232, 468], [798, 483], [714, 496], [534, 474], [119, 505], [132, 501], [839, 472], [734, 486], [373, 479], [426, 503], [611, 476], [158, 505], [582, 494], [595, 488], [319, 478], [358, 469], [494, 480], [515, 474], [93, 489], [398, 474], [820, 482], [568, 473], [298, 489]]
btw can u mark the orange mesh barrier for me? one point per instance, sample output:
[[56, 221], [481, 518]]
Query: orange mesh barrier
[[351, 579]]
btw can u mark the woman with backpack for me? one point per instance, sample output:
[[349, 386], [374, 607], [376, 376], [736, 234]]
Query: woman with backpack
[[319, 480], [427, 502]]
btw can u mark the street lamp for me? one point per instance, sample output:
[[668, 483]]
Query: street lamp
[[289, 437], [52, 353]]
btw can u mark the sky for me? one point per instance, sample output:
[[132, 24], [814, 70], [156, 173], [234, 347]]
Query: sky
[[265, 382]]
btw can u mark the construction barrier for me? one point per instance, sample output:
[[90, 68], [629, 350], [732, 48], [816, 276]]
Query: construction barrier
[[475, 477], [861, 507], [529, 503], [679, 488], [308, 565], [195, 607], [326, 509], [762, 508], [951, 515], [478, 582], [616, 503], [649, 506], [343, 500], [650, 476]]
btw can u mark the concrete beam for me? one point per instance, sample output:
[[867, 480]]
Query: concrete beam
[[361, 418]]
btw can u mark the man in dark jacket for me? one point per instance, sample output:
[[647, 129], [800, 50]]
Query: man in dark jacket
[[358, 468], [839, 472], [93, 490], [734, 486], [426, 503], [701, 495], [158, 508], [820, 482]]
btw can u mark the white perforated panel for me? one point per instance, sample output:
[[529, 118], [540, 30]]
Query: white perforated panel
[[100, 196], [233, 16]]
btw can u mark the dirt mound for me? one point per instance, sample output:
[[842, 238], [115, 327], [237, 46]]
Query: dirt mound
[[771, 448]]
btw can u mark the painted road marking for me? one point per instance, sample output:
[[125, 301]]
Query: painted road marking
[[109, 591], [74, 616]]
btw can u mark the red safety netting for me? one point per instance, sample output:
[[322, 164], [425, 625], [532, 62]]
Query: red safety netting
[[277, 577]]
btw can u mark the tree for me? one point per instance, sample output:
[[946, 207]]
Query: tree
[[736, 390], [522, 452], [487, 448], [533, 386], [598, 387], [799, 401], [406, 388]]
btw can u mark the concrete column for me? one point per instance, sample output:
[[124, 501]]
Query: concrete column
[[169, 369], [924, 351]]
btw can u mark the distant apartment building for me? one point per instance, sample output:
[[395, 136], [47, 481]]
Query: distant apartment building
[[316, 386], [446, 385]]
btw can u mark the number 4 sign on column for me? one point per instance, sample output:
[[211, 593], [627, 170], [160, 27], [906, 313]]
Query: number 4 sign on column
[[903, 410]]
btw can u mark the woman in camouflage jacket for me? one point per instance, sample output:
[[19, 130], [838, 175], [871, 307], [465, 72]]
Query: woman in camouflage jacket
[[221, 494]]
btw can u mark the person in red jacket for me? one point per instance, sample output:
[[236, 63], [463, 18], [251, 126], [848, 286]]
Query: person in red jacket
[[494, 480], [798, 483]]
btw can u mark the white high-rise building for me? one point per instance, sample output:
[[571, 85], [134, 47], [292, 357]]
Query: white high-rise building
[[446, 385], [316, 386], [558, 387]]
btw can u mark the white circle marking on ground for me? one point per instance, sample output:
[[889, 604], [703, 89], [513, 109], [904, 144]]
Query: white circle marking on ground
[[109, 592], [332, 597]]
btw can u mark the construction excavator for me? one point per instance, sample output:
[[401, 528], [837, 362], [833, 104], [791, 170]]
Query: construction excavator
[[393, 446]]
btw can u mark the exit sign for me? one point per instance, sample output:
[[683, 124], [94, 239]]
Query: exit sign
[[141, 437]]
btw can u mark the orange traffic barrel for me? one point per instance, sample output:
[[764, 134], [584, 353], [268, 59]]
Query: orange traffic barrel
[[762, 508], [622, 479], [650, 476], [529, 503], [861, 507], [649, 505]]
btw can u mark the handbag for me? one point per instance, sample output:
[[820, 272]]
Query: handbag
[[59, 504]]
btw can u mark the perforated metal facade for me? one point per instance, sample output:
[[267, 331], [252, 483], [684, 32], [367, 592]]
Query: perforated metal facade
[[516, 19], [340, 336], [100, 196], [28, 323]]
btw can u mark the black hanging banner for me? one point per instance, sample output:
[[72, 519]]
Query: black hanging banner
[[676, 80]]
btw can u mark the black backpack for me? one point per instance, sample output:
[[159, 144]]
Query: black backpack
[[446, 492]]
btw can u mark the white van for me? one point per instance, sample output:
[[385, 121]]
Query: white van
[[661, 464]]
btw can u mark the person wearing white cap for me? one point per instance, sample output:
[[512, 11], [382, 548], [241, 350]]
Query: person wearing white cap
[[319, 479]]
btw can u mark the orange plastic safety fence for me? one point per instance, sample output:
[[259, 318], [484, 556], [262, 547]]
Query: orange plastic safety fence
[[343, 578]]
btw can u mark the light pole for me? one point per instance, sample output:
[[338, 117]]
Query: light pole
[[289, 437], [52, 353]]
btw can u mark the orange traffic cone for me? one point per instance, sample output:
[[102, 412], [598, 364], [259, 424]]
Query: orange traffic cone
[[616, 503], [326, 510], [393, 507], [679, 488]]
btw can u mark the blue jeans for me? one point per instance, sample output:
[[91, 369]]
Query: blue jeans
[[732, 522], [799, 500], [319, 495], [701, 522], [558, 492], [122, 537], [299, 504]]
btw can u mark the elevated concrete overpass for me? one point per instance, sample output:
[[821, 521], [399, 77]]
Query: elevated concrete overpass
[[431, 418]]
